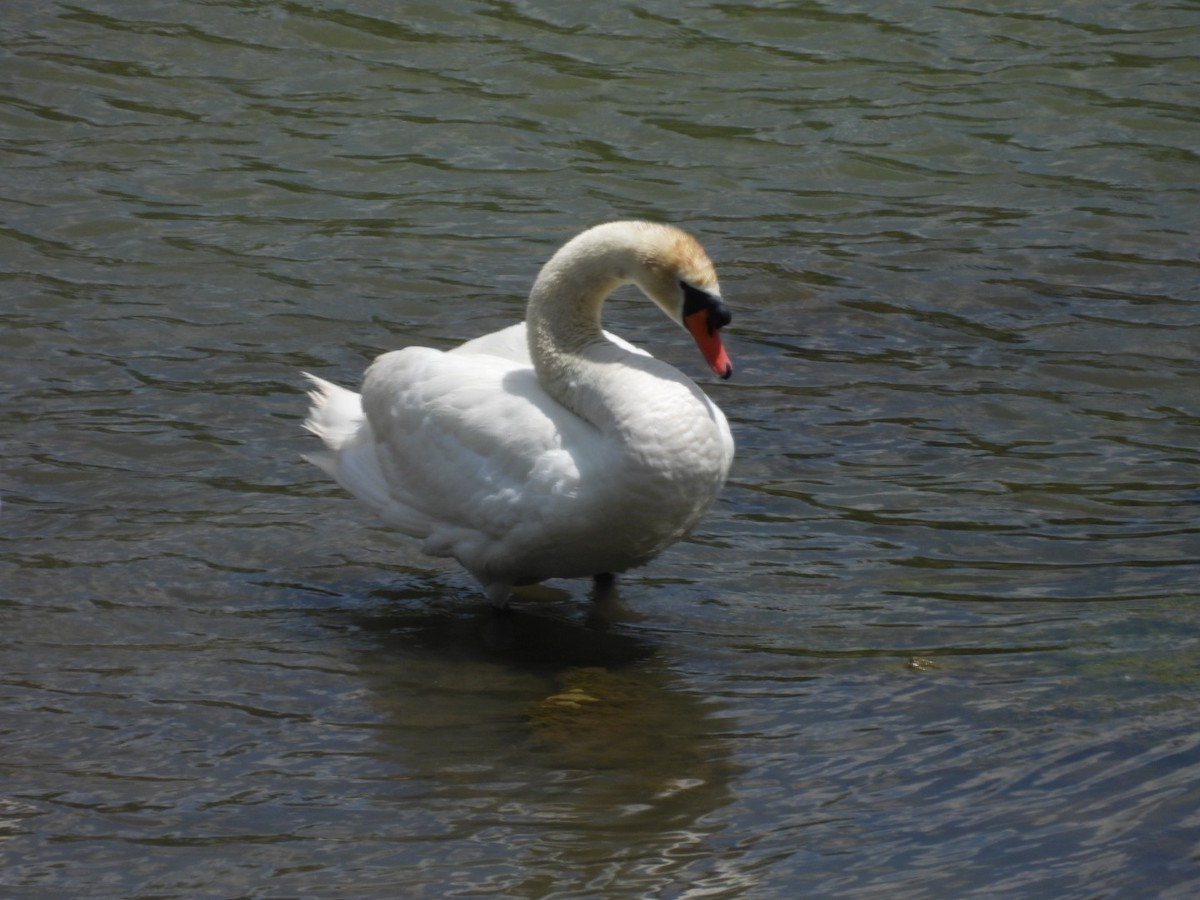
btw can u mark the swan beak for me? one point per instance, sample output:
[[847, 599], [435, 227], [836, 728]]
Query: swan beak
[[704, 332]]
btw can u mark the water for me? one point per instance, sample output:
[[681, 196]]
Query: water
[[940, 636]]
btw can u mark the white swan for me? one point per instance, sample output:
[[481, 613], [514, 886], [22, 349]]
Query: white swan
[[550, 448]]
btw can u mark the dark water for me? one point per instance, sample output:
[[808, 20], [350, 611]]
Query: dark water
[[939, 638]]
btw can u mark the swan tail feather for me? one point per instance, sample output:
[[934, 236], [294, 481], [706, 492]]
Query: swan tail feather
[[335, 416]]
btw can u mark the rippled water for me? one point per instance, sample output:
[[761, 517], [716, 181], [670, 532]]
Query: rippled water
[[939, 638]]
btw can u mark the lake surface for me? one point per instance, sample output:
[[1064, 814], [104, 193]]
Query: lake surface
[[940, 637]]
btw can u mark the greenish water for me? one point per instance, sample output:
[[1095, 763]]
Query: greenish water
[[940, 637]]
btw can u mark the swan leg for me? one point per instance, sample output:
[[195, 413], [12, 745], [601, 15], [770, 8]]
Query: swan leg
[[498, 593]]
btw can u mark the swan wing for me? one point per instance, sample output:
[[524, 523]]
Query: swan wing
[[512, 343], [507, 343], [474, 453]]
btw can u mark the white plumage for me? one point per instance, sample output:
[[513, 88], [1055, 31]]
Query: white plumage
[[550, 448]]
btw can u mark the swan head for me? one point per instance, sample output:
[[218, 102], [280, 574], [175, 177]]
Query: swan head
[[669, 266], [674, 271]]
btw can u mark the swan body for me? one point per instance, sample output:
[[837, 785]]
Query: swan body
[[550, 448]]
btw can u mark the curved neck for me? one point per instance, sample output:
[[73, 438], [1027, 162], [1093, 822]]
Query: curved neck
[[563, 316]]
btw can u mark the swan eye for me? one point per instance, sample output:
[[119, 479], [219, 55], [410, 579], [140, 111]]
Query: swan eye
[[698, 300]]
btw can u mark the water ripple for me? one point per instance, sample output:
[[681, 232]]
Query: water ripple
[[939, 634]]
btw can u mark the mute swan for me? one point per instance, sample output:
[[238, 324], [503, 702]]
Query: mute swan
[[550, 448]]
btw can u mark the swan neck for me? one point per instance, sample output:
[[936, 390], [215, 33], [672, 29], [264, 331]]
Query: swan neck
[[563, 317]]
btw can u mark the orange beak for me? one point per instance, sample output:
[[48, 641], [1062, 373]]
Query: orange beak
[[708, 339]]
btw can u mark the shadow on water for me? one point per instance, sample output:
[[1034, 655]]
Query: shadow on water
[[545, 631], [557, 722]]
